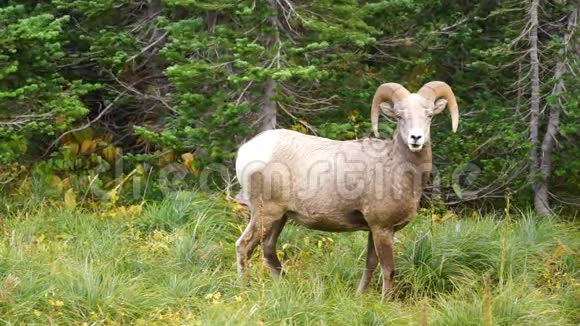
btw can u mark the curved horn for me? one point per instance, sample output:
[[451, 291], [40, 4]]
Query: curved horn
[[389, 91], [438, 89]]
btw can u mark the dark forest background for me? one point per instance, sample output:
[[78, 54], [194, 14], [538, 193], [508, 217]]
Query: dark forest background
[[119, 100]]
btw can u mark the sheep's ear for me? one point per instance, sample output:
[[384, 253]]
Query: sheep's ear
[[388, 110], [440, 104]]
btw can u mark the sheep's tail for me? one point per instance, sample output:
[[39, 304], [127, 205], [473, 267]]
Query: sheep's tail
[[240, 199]]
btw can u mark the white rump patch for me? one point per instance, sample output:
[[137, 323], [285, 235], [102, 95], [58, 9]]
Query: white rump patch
[[254, 155]]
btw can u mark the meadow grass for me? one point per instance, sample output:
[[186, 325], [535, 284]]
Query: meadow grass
[[173, 262]]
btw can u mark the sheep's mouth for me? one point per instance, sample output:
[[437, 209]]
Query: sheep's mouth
[[415, 147]]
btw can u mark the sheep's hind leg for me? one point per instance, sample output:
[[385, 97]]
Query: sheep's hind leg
[[246, 244], [270, 256], [271, 221], [370, 266]]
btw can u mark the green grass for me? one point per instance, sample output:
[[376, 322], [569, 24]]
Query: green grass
[[174, 263]]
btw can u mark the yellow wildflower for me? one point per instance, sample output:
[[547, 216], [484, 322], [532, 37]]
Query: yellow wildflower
[[213, 297]]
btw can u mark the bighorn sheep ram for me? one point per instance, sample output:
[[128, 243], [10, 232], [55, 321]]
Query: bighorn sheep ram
[[341, 186]]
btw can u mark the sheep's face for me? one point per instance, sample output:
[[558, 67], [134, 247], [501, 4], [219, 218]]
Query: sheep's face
[[414, 115]]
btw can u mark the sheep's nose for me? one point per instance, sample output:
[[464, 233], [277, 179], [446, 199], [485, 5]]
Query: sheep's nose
[[416, 138]]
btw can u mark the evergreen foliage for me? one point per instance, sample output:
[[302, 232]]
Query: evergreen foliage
[[180, 82]]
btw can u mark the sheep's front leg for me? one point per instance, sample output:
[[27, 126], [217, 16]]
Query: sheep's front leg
[[383, 239], [370, 265]]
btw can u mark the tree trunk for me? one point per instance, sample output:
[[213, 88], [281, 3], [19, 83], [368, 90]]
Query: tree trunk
[[541, 202], [269, 105], [535, 95]]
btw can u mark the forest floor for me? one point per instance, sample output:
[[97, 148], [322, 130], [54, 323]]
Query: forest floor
[[173, 262]]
